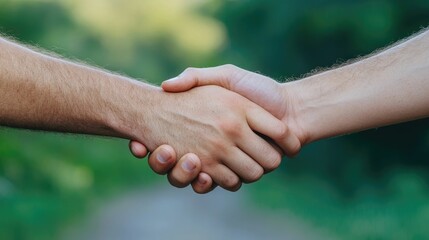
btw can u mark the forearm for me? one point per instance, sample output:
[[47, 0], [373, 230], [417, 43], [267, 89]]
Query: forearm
[[45, 93], [387, 88]]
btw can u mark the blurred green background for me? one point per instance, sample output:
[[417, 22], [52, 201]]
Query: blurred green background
[[370, 185]]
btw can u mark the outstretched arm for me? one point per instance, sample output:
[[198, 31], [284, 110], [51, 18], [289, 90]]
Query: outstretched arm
[[45, 93], [41, 92], [385, 88]]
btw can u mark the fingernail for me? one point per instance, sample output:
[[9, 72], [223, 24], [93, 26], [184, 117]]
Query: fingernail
[[188, 165], [172, 80], [163, 156], [201, 181]]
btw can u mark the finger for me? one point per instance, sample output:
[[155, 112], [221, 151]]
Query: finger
[[260, 152], [275, 146], [137, 149], [185, 171], [254, 87], [263, 122], [203, 183], [194, 77], [272, 143], [244, 166], [224, 177], [163, 159]]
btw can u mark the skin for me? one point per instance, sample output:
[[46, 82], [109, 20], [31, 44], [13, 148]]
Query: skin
[[42, 92], [386, 88]]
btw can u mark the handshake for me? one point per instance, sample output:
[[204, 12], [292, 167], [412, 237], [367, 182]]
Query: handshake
[[226, 125], [224, 137]]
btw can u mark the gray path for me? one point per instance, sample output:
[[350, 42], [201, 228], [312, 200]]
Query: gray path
[[163, 212]]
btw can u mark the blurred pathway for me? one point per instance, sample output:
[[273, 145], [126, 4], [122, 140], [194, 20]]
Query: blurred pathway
[[164, 212]]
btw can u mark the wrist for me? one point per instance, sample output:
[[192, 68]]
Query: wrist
[[129, 108], [294, 114], [306, 100], [324, 104]]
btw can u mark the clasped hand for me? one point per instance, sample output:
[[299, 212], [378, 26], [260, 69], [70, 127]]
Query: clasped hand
[[229, 138]]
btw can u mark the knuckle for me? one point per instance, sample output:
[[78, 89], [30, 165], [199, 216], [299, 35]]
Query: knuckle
[[236, 187], [229, 67], [216, 145], [282, 131], [231, 182], [255, 173], [273, 162], [231, 75], [294, 149], [190, 71], [230, 127]]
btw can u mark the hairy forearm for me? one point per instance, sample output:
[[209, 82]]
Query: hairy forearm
[[46, 93], [387, 88]]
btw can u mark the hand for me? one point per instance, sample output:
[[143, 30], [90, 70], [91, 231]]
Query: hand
[[212, 123], [260, 89]]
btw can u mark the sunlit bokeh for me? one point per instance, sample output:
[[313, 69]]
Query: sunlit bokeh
[[125, 23]]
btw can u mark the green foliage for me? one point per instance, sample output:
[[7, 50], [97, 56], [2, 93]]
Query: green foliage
[[371, 185], [400, 211], [290, 38], [46, 180]]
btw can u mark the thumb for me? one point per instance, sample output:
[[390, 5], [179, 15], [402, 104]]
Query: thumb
[[195, 77], [178, 84]]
